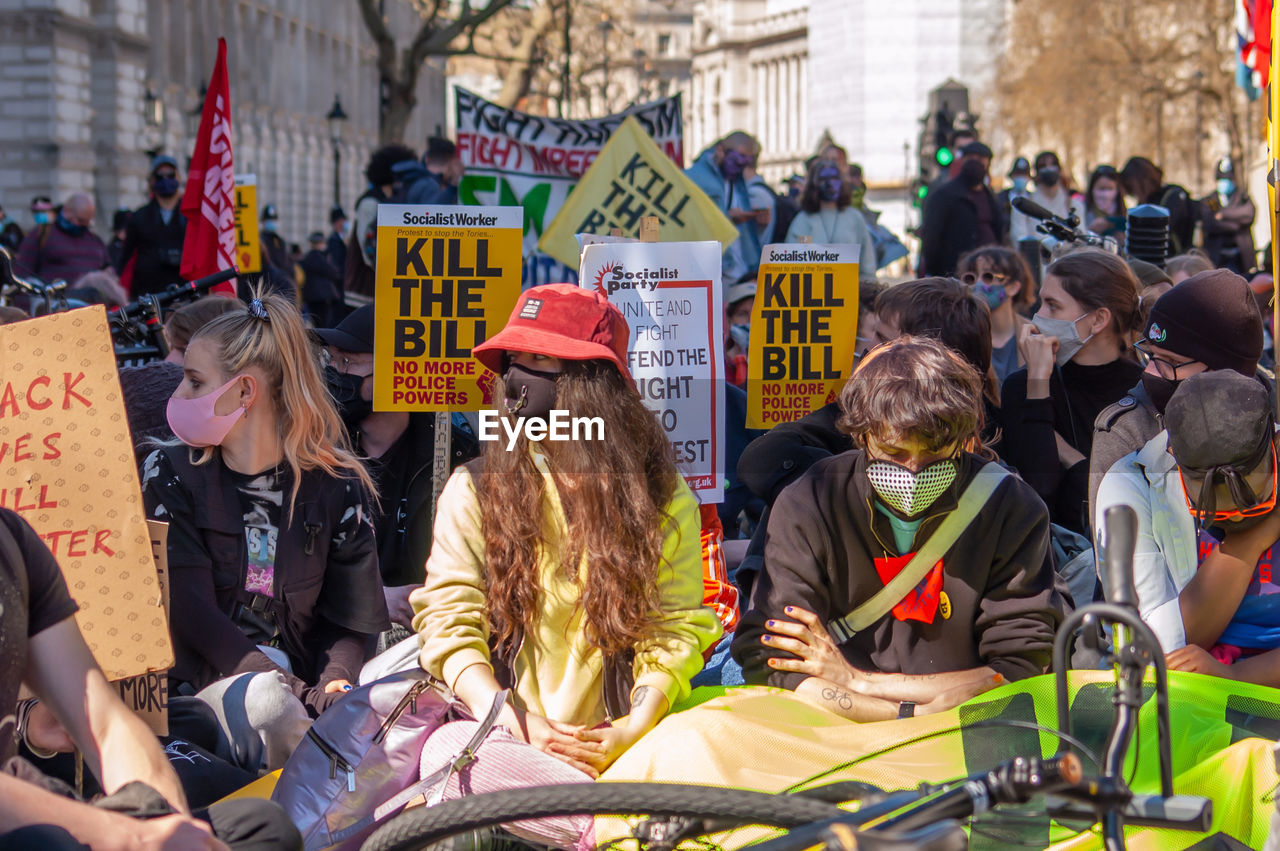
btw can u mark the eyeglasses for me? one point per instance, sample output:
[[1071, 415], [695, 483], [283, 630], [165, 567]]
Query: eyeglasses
[[1256, 509], [971, 278], [1167, 368]]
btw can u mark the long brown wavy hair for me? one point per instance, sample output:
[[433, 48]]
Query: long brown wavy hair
[[614, 493]]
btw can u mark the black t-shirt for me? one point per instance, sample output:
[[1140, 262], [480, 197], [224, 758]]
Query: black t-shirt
[[33, 597]]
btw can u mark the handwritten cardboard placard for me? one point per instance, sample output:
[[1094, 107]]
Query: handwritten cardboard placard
[[67, 464], [447, 279], [148, 694]]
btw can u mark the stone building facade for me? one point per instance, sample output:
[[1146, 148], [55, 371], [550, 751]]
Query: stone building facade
[[794, 73], [89, 89], [750, 72]]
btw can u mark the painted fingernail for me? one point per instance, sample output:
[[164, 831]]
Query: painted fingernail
[[789, 609], [771, 624], [766, 638]]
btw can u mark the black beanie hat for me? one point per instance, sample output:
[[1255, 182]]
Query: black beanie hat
[[1211, 317]]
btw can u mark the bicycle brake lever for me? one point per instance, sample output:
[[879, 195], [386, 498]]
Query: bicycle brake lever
[[1179, 812]]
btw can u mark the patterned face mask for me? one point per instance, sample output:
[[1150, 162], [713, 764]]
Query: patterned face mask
[[909, 493]]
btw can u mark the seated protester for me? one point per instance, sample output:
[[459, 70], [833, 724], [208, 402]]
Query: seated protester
[[568, 572], [1209, 321], [1205, 494], [1000, 277], [146, 389], [270, 540], [1076, 351], [985, 612], [43, 649], [942, 308], [398, 448]]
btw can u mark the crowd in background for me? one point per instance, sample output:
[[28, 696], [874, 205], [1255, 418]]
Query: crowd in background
[[1022, 387]]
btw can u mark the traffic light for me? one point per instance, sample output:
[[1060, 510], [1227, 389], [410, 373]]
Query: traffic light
[[919, 192]]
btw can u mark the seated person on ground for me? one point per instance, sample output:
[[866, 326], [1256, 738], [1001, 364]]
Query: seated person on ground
[[1205, 494], [44, 650], [272, 557], [942, 308], [1209, 321], [398, 448], [566, 571], [984, 613]]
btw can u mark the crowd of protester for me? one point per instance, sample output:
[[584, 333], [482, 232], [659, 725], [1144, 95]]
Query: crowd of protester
[[997, 407]]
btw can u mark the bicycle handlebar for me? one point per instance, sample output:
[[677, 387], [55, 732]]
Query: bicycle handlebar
[[198, 287]]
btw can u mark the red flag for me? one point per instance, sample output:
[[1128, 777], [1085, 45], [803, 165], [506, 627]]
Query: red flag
[[208, 203]]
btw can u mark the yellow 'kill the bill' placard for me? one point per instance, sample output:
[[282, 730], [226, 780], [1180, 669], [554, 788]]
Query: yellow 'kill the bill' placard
[[803, 328], [248, 240], [447, 280]]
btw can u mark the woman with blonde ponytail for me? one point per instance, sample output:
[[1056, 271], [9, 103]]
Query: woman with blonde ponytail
[[275, 588]]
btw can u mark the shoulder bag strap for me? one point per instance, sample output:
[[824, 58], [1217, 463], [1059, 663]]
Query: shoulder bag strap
[[976, 495]]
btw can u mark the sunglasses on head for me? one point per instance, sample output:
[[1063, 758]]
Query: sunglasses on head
[[971, 278], [1247, 503]]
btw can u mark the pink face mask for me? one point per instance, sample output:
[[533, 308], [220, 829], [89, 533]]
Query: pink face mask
[[195, 423]]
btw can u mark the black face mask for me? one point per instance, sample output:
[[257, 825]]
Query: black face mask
[[345, 389], [972, 173], [1048, 176], [1159, 388], [530, 393]]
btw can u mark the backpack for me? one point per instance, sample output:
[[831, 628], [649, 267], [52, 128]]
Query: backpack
[[359, 763]]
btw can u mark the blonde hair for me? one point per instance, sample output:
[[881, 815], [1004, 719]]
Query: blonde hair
[[270, 335]]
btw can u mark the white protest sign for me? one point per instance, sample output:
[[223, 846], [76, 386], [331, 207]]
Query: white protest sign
[[670, 294]]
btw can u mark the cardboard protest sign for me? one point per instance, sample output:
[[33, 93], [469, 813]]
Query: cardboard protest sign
[[629, 180], [147, 695], [514, 158], [248, 241], [670, 294], [447, 279], [67, 464], [803, 325]]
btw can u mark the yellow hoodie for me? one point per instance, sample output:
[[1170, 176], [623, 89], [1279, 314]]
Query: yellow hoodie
[[558, 673]]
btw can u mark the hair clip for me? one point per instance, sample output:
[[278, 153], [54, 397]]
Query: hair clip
[[257, 311]]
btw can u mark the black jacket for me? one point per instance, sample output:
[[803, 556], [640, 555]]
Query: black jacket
[[1183, 213], [329, 595], [950, 226], [323, 282], [156, 246], [405, 514], [1005, 603]]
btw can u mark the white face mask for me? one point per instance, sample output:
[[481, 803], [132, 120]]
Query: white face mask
[[910, 493], [1069, 342]]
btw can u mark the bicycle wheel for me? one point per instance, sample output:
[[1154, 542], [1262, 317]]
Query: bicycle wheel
[[416, 828]]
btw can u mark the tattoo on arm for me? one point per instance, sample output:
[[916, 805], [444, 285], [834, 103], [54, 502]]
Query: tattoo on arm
[[839, 697], [640, 696]]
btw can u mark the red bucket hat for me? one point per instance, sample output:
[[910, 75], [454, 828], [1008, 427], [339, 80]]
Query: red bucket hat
[[563, 321]]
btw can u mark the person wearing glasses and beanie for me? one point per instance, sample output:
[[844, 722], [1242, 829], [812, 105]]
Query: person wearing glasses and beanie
[[1209, 321], [1205, 494]]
